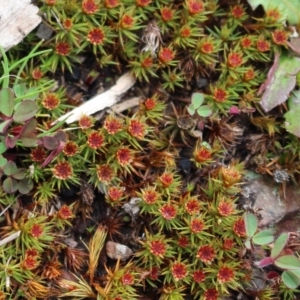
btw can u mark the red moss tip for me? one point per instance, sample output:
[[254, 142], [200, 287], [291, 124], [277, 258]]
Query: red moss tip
[[198, 276], [85, 122], [65, 213], [113, 125], [166, 55], [239, 227], [168, 211], [67, 24], [196, 225], [228, 244], [143, 3], [179, 271], [238, 12], [62, 170], [137, 129], [166, 14], [246, 42], [192, 206], [202, 154], [96, 36], [127, 279], [249, 75], [89, 7], [150, 196], [262, 45], [31, 252], [211, 294], [37, 74], [95, 140], [115, 193], [29, 263], [206, 253], [154, 273], [50, 101], [220, 95], [127, 21], [105, 173], [147, 62], [36, 230], [70, 149], [183, 242], [225, 208], [150, 103], [166, 179], [273, 15], [185, 32], [279, 37], [195, 7], [207, 47], [50, 2], [234, 60], [62, 48], [157, 248], [225, 274], [230, 176], [124, 156], [111, 3], [38, 154]]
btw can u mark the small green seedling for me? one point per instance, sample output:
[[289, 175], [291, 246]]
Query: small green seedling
[[263, 237], [280, 257], [197, 107]]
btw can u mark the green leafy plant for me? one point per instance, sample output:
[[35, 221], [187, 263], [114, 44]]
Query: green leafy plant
[[280, 257], [15, 179], [263, 237], [197, 107]]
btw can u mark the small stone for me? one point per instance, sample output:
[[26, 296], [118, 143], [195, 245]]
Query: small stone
[[281, 176], [118, 251], [132, 207]]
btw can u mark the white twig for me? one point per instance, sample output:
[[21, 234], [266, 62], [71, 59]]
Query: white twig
[[101, 101], [10, 238]]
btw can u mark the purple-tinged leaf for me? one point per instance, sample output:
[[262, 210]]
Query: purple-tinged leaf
[[5, 125], [7, 101], [25, 186], [53, 154], [279, 244], [10, 168], [270, 76], [289, 262], [10, 185], [25, 111], [28, 134], [280, 82], [234, 110], [11, 142], [20, 174], [53, 142], [264, 262]]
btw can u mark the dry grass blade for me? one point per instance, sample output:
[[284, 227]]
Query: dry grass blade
[[95, 246], [77, 290]]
